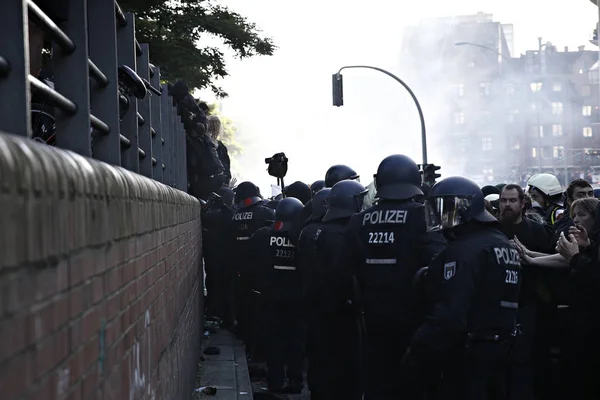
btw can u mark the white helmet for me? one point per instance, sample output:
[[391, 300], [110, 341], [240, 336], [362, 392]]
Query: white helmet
[[492, 197], [545, 183]]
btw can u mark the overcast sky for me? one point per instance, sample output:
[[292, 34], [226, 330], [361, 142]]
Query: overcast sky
[[283, 102]]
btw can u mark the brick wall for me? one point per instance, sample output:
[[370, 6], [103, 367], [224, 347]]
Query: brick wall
[[100, 280]]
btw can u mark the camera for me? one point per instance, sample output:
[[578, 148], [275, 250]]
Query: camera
[[278, 165]]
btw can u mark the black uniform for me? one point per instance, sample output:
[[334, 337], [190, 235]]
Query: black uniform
[[477, 281], [278, 282], [333, 337], [214, 222], [384, 247], [246, 221]]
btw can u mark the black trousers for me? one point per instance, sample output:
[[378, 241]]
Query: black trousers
[[285, 344], [333, 351]]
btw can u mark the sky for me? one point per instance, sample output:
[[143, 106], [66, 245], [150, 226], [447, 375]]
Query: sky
[[283, 102]]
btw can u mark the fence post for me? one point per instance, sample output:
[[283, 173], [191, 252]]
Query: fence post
[[72, 80], [102, 31], [182, 159], [155, 118], [144, 132], [167, 135], [175, 120], [129, 123], [15, 98]]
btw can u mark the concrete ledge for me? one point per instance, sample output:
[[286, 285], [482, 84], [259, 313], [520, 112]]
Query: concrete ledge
[[53, 202], [227, 371]]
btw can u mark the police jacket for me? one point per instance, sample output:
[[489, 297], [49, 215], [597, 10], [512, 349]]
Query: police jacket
[[331, 281], [384, 247], [275, 274], [477, 281], [244, 222], [214, 223], [306, 262], [300, 222]]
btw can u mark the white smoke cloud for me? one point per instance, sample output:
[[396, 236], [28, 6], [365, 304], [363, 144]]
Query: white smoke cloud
[[283, 102]]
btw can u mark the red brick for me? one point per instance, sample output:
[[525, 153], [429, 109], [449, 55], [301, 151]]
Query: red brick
[[76, 365], [76, 269], [13, 336], [75, 392], [75, 334], [90, 383], [76, 301], [91, 354], [97, 289], [46, 283], [113, 307], [46, 389], [16, 376], [90, 323], [61, 310], [113, 281]]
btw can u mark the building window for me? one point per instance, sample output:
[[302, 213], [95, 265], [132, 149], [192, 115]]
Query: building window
[[587, 131], [486, 144], [557, 130], [471, 64], [587, 111], [516, 144], [460, 89], [534, 152], [536, 86], [459, 118], [484, 88], [510, 90], [580, 71], [586, 90], [557, 151], [538, 131], [557, 87], [557, 108]]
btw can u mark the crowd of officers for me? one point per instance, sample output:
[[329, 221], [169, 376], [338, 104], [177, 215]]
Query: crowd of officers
[[458, 293]]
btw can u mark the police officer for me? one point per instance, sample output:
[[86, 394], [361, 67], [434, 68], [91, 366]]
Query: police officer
[[477, 281], [299, 190], [333, 175], [306, 247], [279, 284], [218, 213], [250, 216], [333, 344], [316, 186], [384, 247]]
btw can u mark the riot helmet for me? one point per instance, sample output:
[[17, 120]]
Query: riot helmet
[[489, 189], [344, 200], [286, 214], [339, 173], [398, 178], [299, 190], [455, 201], [316, 186], [247, 194], [319, 206], [227, 195]]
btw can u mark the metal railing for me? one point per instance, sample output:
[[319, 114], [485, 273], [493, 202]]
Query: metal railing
[[105, 88]]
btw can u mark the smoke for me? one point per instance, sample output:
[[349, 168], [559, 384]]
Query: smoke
[[283, 102]]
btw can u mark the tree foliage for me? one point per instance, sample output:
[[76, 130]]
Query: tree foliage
[[173, 28]]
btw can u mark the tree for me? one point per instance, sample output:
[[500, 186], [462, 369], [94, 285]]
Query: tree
[[173, 28]]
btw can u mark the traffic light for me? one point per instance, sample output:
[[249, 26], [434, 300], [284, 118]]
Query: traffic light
[[337, 85], [429, 174]]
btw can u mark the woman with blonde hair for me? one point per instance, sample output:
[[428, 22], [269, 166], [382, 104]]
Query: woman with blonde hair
[[213, 131]]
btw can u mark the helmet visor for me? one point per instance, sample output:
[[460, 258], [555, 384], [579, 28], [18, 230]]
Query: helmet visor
[[445, 212]]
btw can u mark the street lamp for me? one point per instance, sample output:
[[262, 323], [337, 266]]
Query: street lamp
[[338, 98]]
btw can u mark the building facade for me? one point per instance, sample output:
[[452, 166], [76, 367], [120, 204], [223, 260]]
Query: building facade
[[499, 117]]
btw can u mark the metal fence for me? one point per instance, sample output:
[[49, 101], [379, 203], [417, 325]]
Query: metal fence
[[104, 84]]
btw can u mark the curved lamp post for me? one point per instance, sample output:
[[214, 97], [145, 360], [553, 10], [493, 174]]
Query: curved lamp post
[[338, 98]]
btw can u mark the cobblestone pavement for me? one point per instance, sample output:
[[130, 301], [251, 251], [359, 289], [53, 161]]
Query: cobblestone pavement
[[260, 392]]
